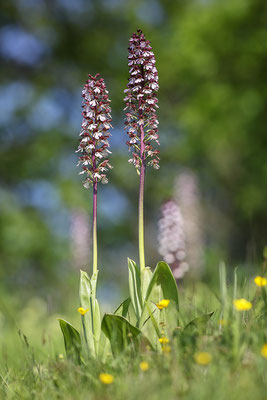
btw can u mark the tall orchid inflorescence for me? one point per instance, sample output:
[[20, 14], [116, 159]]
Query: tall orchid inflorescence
[[95, 131], [141, 120], [141, 102], [94, 142]]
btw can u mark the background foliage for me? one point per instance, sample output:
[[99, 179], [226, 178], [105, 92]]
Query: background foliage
[[211, 57]]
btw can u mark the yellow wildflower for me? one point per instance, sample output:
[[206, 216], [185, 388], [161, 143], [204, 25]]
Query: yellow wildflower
[[242, 304], [260, 281], [163, 340], [264, 350], [60, 356], [166, 348], [203, 358], [144, 365], [82, 310], [163, 304], [107, 379]]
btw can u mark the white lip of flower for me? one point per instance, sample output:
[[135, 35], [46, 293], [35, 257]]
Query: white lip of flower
[[82, 172], [97, 176], [101, 117], [138, 80], [99, 155], [92, 126], [133, 140], [90, 114], [106, 125], [97, 135], [93, 103], [90, 146], [153, 85], [86, 162], [97, 90], [85, 140]]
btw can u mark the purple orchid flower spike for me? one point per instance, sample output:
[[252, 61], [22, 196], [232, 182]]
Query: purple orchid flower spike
[[94, 145], [141, 121]]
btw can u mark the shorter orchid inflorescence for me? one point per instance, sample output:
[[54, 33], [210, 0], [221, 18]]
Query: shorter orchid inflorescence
[[95, 131], [171, 239], [141, 102]]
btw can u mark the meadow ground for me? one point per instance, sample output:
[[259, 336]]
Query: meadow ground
[[221, 356]]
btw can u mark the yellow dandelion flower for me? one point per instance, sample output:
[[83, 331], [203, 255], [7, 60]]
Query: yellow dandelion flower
[[163, 304], [203, 358], [163, 340], [82, 310], [107, 379], [260, 281], [264, 350], [144, 366], [166, 348], [242, 304]]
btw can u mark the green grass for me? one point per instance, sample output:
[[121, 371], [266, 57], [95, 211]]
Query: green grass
[[33, 368]]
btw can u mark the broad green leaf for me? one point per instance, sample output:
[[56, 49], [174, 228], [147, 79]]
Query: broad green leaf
[[154, 322], [146, 276], [120, 333], [163, 279], [123, 308], [91, 320], [126, 310], [162, 285], [198, 325], [104, 350], [72, 340], [135, 288]]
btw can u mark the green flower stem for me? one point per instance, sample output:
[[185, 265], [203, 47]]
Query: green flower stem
[[94, 227], [141, 204]]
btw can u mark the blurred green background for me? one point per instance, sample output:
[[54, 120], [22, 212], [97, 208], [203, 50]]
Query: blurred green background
[[211, 58]]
